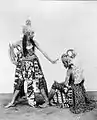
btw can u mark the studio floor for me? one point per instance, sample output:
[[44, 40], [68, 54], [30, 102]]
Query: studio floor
[[25, 112]]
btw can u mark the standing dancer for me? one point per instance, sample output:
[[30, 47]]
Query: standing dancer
[[28, 68]]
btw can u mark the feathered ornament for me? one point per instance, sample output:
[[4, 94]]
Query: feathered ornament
[[12, 54]]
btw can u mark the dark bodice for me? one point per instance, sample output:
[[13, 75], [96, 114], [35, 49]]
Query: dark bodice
[[28, 45], [71, 80]]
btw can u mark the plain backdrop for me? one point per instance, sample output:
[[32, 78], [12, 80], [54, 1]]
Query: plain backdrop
[[58, 25]]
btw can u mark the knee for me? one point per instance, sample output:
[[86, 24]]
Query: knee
[[54, 85]]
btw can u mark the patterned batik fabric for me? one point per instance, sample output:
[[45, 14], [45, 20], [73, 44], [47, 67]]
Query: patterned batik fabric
[[19, 81], [31, 72], [81, 101], [62, 96]]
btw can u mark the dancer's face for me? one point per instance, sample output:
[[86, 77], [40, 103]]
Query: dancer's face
[[28, 42], [64, 61]]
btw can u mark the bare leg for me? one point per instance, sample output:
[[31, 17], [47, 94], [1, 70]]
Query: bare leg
[[46, 99], [51, 95], [13, 99]]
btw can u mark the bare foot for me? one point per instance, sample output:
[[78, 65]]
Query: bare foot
[[46, 104], [31, 103], [10, 105]]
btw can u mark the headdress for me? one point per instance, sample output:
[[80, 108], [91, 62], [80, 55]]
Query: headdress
[[71, 53], [67, 58], [28, 21], [27, 28]]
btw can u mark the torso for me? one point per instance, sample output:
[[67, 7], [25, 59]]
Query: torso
[[18, 50], [77, 74]]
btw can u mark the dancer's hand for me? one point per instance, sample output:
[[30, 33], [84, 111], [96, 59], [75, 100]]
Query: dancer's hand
[[55, 61], [11, 104]]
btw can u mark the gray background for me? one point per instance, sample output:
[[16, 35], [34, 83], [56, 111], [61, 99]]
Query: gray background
[[58, 26]]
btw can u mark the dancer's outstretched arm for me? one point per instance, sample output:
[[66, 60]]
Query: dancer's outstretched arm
[[45, 54]]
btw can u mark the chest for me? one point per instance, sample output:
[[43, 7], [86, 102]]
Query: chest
[[77, 74]]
